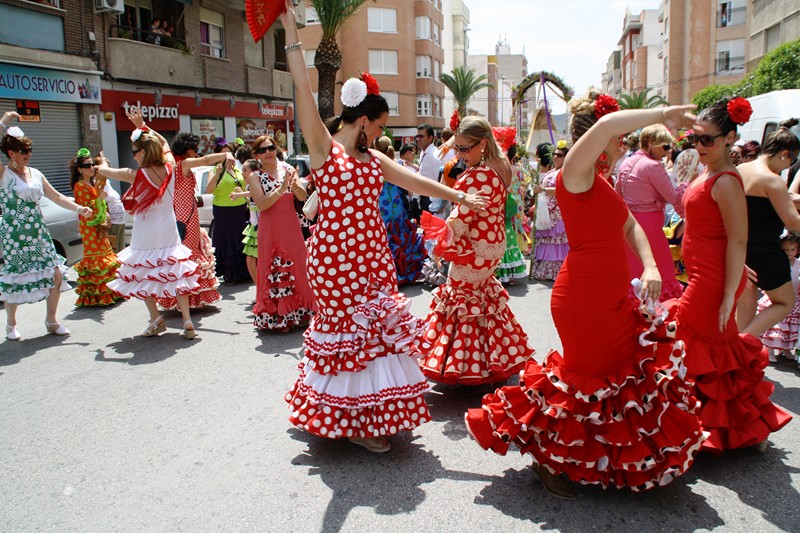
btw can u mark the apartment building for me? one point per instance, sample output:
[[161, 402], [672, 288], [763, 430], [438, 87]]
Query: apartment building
[[504, 71], [612, 77], [641, 64], [772, 22], [455, 43], [402, 49], [88, 62]]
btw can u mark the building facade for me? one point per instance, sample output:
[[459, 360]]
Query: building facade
[[772, 22], [402, 49], [455, 42], [641, 64]]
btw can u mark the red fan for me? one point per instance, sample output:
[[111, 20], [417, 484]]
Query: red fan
[[506, 136], [261, 14]]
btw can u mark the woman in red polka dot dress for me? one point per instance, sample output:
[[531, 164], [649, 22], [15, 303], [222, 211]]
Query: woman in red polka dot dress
[[184, 147], [475, 337], [359, 378]]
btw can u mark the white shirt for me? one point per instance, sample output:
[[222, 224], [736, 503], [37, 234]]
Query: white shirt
[[429, 164], [116, 213]]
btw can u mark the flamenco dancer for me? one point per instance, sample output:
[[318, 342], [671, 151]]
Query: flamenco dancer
[[727, 366], [185, 146], [613, 410], [28, 277], [359, 378], [156, 264], [99, 264], [475, 338]]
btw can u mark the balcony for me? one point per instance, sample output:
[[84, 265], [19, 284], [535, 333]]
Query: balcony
[[731, 17], [661, 47], [133, 59]]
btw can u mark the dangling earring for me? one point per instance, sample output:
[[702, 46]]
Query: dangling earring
[[361, 143], [13, 164], [483, 158]]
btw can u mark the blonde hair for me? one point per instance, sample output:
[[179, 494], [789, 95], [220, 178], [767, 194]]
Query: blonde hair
[[478, 128], [582, 109], [654, 135], [153, 151]]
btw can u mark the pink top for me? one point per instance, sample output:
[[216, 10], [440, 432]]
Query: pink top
[[645, 186]]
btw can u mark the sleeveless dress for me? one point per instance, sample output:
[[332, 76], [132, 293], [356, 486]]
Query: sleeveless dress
[[613, 410], [359, 376], [512, 264], [283, 295], [99, 264], [551, 246], [250, 241], [474, 336], [783, 335], [727, 367], [30, 258], [764, 252], [407, 247], [196, 239], [156, 263]]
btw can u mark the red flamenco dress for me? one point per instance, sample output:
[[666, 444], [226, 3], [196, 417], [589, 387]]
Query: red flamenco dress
[[283, 295], [99, 264], [196, 239], [475, 337], [359, 377], [727, 367], [614, 409]]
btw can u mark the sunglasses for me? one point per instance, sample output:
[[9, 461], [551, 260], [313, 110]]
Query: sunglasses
[[465, 149], [668, 147], [705, 140], [86, 165], [264, 149], [134, 152], [25, 151]]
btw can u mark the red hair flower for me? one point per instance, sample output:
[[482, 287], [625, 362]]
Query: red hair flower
[[739, 109], [372, 84], [455, 121], [605, 104]]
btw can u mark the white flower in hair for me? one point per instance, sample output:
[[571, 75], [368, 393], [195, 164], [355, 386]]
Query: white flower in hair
[[136, 134], [353, 92], [14, 131]]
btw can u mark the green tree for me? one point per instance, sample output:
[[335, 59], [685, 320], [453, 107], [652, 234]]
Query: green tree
[[332, 15], [778, 70], [641, 100], [707, 96], [463, 83]]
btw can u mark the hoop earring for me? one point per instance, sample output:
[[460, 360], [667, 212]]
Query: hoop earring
[[361, 142], [13, 164]]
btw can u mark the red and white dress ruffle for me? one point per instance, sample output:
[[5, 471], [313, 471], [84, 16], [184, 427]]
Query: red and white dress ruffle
[[156, 263], [359, 376], [474, 336]]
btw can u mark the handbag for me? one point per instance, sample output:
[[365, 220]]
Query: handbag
[[543, 221], [311, 206]]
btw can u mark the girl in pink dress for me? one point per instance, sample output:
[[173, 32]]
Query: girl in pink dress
[[359, 378]]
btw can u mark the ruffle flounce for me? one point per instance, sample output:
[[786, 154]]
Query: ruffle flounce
[[634, 428], [94, 273], [473, 334], [279, 305], [407, 248], [783, 335], [729, 382], [556, 230], [550, 252], [34, 286], [160, 272], [205, 291], [250, 240], [384, 326], [383, 398]]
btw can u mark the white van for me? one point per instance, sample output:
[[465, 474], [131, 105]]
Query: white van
[[769, 110]]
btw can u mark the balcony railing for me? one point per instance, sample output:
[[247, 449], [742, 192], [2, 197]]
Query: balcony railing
[[146, 36], [731, 17]]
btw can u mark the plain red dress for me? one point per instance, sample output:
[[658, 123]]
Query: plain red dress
[[727, 367], [613, 410]]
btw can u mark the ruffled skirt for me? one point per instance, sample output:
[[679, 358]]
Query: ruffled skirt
[[250, 241], [205, 292], [783, 335], [158, 272], [474, 336], [279, 303], [512, 265], [362, 384], [34, 286], [549, 252], [635, 428], [94, 273], [408, 249]]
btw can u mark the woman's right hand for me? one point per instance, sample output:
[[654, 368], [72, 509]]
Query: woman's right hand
[[288, 17], [677, 117], [725, 309]]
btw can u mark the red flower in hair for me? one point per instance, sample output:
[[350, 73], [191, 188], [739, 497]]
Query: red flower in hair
[[372, 84], [455, 120], [605, 104], [739, 109]]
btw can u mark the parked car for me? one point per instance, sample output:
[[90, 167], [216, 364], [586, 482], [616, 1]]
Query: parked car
[[303, 162], [63, 227], [769, 110]]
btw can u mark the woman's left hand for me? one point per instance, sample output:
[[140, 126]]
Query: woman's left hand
[[85, 212], [725, 310], [651, 283], [135, 116]]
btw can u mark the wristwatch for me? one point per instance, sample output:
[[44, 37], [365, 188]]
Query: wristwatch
[[461, 195]]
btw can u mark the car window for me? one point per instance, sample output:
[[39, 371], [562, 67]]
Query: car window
[[305, 168]]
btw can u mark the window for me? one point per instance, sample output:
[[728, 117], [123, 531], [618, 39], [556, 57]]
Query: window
[[437, 107], [437, 68], [435, 33], [393, 99], [423, 66], [310, 54], [773, 38], [382, 20], [311, 15], [731, 13], [383, 61], [423, 106], [279, 38], [730, 56], [212, 34], [253, 51], [423, 28]]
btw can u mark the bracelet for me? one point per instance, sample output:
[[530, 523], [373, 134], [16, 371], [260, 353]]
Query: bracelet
[[293, 46]]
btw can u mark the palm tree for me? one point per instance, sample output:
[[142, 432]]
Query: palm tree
[[641, 100], [332, 15], [464, 84]]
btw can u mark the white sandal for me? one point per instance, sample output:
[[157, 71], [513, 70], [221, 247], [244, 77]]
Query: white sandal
[[188, 330], [54, 328], [155, 327], [373, 444], [12, 334]]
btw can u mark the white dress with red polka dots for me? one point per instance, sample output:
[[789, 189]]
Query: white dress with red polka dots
[[359, 376], [475, 337]]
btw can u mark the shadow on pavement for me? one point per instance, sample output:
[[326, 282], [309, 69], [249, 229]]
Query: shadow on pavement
[[142, 350], [95, 314], [359, 478], [12, 352]]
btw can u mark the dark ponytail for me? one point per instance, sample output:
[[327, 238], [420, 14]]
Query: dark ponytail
[[782, 139]]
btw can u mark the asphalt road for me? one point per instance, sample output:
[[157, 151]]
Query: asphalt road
[[106, 431]]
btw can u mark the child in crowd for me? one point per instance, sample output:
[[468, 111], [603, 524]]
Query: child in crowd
[[782, 337]]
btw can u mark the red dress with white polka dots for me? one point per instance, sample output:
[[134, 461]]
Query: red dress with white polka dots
[[475, 337], [196, 239], [359, 376]]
